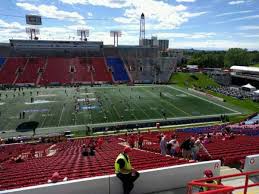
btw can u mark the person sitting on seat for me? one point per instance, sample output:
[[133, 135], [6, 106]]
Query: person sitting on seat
[[124, 170], [19, 159], [92, 146], [85, 150]]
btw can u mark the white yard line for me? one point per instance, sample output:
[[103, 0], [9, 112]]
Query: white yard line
[[140, 121], [204, 99], [61, 115]]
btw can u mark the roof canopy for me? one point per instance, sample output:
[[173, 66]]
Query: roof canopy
[[245, 68], [249, 87]]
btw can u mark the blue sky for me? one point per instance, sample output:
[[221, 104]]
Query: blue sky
[[202, 24]]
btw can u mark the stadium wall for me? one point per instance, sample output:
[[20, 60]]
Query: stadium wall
[[251, 163], [150, 181]]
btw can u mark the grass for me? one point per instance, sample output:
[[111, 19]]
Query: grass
[[106, 105], [186, 80], [255, 65], [192, 80]]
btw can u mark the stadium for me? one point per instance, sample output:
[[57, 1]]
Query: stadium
[[69, 108]]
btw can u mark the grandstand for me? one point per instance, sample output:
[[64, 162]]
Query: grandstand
[[242, 75], [114, 94]]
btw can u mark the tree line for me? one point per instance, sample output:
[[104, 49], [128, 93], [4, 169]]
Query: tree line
[[221, 59]]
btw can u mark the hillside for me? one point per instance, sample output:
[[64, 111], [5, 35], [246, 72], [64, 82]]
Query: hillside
[[192, 79]]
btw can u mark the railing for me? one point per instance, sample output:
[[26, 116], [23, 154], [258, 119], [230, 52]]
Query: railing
[[221, 189]]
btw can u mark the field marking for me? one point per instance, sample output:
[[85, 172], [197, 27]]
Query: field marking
[[204, 99], [130, 107], [133, 102], [61, 115], [171, 104], [134, 121]]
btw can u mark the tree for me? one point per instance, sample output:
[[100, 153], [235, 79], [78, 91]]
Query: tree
[[236, 56]]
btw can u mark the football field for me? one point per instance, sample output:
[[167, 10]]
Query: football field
[[66, 106]]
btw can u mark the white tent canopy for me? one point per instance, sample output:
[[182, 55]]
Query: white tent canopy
[[256, 92], [248, 87]]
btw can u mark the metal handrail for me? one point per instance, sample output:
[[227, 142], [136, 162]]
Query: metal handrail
[[222, 188]]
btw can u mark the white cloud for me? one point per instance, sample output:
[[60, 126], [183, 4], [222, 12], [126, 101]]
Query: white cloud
[[105, 3], [249, 27], [12, 25], [161, 14], [198, 35], [216, 44], [239, 19], [52, 11], [251, 36], [236, 2], [17, 31], [187, 1], [233, 13]]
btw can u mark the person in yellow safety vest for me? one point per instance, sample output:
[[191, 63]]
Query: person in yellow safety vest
[[208, 174], [124, 170]]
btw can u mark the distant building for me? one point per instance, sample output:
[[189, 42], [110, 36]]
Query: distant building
[[242, 75], [154, 42]]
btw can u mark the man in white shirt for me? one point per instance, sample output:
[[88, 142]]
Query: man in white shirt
[[174, 146]]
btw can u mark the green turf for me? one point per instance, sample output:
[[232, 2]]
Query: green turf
[[119, 103], [192, 79], [255, 65]]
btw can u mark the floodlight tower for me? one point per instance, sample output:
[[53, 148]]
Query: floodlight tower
[[32, 30], [115, 35], [142, 27], [83, 33]]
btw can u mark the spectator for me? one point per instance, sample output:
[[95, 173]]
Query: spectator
[[99, 142], [85, 150], [92, 148], [19, 159], [174, 147], [196, 149], [208, 174], [124, 171], [140, 140], [163, 145], [186, 147], [56, 178], [159, 137], [132, 141]]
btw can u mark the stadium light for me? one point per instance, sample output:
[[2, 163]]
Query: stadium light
[[83, 33], [32, 21], [115, 34]]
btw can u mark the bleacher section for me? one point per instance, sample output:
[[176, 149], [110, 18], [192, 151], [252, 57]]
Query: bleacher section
[[2, 61], [229, 151], [83, 73], [56, 72], [69, 162], [60, 70], [10, 69], [118, 69], [31, 71], [100, 70]]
